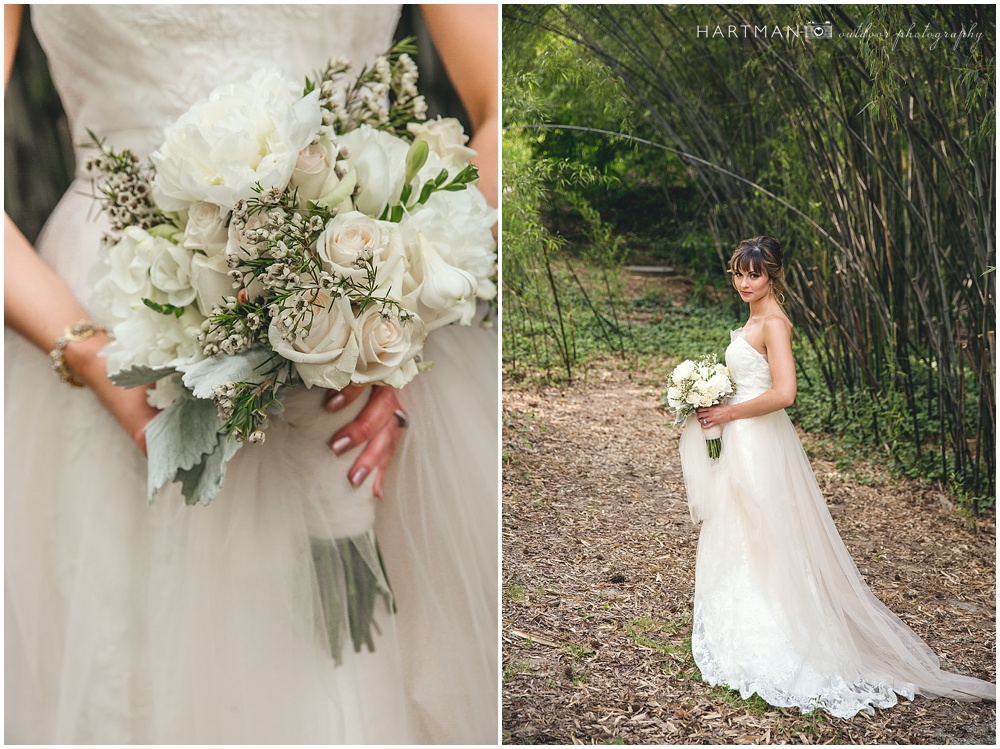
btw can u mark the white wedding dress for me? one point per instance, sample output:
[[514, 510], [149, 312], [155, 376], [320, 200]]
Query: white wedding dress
[[162, 623], [780, 609]]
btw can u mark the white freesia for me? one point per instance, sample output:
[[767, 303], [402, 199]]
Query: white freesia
[[446, 138], [682, 371], [458, 225], [444, 286], [243, 134], [388, 348], [206, 228], [328, 354], [210, 281], [170, 272]]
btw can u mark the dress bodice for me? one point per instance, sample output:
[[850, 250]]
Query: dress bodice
[[127, 71], [748, 368]]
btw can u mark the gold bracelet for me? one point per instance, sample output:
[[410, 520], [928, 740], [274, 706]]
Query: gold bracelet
[[81, 331]]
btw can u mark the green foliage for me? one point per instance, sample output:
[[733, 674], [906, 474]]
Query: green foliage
[[871, 157]]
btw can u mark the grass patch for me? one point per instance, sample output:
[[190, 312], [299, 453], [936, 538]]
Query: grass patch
[[578, 652], [670, 640], [514, 668], [516, 593]]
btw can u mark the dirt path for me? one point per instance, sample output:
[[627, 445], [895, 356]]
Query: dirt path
[[598, 578]]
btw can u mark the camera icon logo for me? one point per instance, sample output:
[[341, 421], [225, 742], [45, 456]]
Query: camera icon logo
[[818, 30]]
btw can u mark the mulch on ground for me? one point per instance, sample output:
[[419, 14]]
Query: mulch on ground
[[598, 584]]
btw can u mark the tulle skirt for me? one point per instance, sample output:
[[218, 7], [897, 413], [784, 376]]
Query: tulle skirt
[[161, 623], [780, 608]]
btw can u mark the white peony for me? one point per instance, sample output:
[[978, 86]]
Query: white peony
[[682, 371], [210, 281], [446, 138], [388, 348], [243, 134], [328, 354], [720, 383], [206, 228]]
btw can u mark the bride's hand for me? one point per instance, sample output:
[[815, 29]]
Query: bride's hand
[[377, 425], [128, 407], [714, 416]]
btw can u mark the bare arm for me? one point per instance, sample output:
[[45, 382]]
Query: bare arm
[[778, 341], [39, 306], [467, 37]]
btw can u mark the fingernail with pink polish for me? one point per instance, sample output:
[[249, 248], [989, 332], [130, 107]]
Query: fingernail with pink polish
[[359, 476], [336, 403], [341, 445]]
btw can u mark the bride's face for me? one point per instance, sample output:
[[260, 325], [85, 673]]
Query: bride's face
[[752, 285]]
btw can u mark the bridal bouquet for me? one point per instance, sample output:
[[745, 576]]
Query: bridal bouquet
[[700, 384], [284, 234]]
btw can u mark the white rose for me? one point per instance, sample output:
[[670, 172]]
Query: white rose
[[388, 348], [353, 236], [237, 244], [693, 398], [379, 161], [206, 228], [704, 373], [243, 134], [682, 371], [328, 354], [446, 138], [210, 281], [170, 272], [314, 173]]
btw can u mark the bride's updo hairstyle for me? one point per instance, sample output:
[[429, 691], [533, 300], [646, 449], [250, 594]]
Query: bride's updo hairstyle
[[760, 255]]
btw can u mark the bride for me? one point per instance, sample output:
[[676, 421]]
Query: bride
[[161, 623], [780, 608]]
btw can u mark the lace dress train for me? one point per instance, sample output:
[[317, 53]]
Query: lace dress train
[[780, 608]]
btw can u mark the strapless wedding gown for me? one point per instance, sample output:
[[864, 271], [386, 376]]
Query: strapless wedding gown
[[780, 609], [162, 623]]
